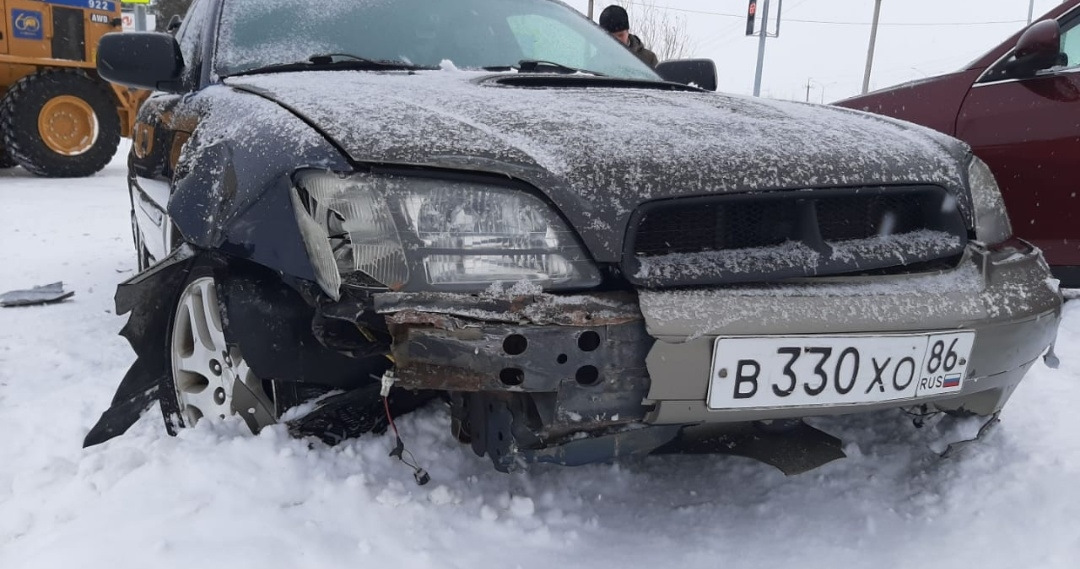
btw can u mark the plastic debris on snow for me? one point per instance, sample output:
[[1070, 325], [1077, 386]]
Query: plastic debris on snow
[[43, 294]]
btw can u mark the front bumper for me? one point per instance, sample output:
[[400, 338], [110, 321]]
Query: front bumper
[[1011, 304], [548, 368]]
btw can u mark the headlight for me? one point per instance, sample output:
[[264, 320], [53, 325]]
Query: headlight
[[991, 219], [347, 229], [424, 234]]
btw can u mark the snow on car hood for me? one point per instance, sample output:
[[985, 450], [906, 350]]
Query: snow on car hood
[[600, 152]]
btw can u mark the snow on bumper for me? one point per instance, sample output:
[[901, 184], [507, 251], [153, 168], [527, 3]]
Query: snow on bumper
[[1007, 299], [607, 359]]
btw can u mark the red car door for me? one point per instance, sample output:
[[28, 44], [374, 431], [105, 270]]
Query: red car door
[[1028, 132]]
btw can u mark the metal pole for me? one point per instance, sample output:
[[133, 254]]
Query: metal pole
[[1031, 10], [591, 2], [779, 11], [761, 49], [140, 18], [870, 51]]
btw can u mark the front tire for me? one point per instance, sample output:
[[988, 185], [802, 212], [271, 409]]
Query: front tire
[[60, 124], [207, 377]]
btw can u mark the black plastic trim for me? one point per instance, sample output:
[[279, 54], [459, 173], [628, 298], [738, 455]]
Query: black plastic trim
[[806, 232]]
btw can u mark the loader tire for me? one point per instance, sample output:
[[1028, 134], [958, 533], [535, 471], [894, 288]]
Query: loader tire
[[6, 161], [60, 124]]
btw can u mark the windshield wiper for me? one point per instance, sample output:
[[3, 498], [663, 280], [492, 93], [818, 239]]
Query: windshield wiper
[[541, 66], [347, 61]]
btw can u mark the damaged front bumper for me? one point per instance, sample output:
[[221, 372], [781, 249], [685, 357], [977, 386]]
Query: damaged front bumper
[[529, 371], [586, 378], [576, 379]]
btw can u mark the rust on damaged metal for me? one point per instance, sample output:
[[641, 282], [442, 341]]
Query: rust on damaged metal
[[416, 375], [453, 311], [415, 317], [460, 337]]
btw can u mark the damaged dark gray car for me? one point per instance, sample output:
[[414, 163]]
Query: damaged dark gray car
[[493, 203]]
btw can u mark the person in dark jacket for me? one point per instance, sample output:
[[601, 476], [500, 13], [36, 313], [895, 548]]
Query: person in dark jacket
[[616, 21]]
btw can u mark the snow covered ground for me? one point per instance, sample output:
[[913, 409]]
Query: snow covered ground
[[216, 498]]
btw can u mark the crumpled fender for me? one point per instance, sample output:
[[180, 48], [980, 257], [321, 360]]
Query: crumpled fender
[[268, 319], [149, 297], [232, 181]]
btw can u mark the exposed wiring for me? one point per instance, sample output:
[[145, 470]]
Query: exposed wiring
[[919, 415], [419, 474]]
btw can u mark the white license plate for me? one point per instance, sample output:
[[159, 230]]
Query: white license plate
[[790, 371]]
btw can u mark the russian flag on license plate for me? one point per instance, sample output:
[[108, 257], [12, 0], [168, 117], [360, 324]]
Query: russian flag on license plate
[[951, 380]]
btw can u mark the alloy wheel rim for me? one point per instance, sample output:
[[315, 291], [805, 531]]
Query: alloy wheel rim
[[68, 125], [211, 378]]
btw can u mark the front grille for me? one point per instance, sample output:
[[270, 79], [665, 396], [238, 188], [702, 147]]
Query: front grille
[[711, 226], [865, 216], [777, 235]]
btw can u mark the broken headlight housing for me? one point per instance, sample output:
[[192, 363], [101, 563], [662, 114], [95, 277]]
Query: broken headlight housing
[[991, 220], [429, 234]]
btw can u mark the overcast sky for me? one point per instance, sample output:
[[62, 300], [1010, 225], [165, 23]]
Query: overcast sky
[[825, 41]]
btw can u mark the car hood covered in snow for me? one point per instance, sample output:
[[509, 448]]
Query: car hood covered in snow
[[597, 150]]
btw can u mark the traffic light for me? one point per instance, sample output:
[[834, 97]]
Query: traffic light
[[750, 13]]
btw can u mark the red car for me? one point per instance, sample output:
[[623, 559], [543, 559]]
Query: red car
[[1018, 106]]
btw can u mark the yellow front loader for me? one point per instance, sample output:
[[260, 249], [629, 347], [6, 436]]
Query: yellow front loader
[[58, 118]]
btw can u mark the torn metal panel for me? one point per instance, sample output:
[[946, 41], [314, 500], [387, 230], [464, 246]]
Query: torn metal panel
[[597, 309], [595, 376], [148, 296], [441, 321], [144, 286], [138, 391], [585, 353], [497, 424], [529, 370], [426, 376]]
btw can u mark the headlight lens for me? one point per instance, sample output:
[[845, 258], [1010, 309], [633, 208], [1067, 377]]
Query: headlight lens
[[991, 220], [422, 234], [347, 229]]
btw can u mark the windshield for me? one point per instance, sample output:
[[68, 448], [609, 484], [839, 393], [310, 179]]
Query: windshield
[[467, 33]]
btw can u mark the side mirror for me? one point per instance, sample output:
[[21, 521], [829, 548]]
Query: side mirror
[[1038, 48], [698, 72], [144, 60]]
